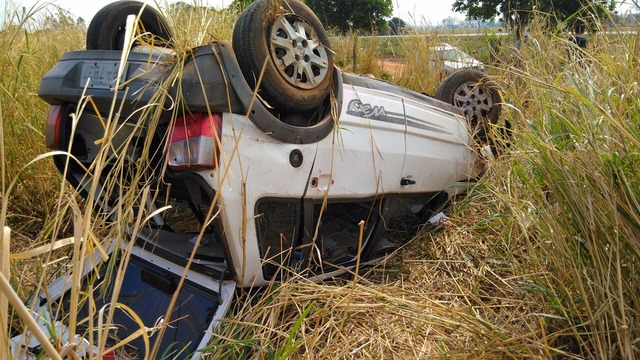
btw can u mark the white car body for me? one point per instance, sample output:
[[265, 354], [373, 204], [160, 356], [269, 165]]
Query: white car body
[[365, 158], [454, 59]]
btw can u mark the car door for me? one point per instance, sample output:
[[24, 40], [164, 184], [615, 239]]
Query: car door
[[438, 153], [351, 173]]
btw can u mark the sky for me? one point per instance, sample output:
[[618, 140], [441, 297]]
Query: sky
[[415, 12]]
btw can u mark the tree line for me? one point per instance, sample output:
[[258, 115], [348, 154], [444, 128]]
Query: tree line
[[373, 16]]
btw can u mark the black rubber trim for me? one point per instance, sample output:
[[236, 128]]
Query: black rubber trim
[[63, 83], [262, 117], [211, 81]]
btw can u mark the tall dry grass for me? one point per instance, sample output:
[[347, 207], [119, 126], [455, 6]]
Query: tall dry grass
[[412, 58], [570, 195], [28, 51]]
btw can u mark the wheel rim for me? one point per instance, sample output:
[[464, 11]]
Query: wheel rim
[[299, 55], [475, 99]]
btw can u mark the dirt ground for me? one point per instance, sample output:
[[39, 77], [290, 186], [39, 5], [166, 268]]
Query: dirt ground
[[393, 66]]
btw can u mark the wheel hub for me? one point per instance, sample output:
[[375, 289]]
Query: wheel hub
[[475, 100], [299, 55]]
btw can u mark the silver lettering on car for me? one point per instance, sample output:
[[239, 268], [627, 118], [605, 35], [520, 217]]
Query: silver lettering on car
[[357, 108]]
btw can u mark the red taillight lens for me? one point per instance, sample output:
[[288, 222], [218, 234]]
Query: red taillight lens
[[109, 356], [53, 127], [193, 142]]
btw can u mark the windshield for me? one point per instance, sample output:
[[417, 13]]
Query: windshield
[[452, 55]]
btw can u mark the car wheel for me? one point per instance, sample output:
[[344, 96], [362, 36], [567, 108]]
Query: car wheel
[[289, 42], [107, 28], [478, 97]]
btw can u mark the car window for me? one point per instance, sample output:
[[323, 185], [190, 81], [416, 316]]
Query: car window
[[453, 55]]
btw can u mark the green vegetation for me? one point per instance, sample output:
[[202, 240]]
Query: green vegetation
[[539, 260], [352, 15], [519, 13]]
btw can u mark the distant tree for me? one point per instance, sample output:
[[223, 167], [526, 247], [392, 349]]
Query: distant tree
[[240, 5], [58, 19], [517, 13], [357, 14], [397, 25], [81, 23], [450, 22], [180, 6]]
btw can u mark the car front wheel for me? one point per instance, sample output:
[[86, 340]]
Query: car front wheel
[[477, 96]]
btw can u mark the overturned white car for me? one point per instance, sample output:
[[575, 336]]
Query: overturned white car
[[271, 159]]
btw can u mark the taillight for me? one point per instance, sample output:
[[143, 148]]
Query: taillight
[[53, 128], [193, 142], [109, 356]]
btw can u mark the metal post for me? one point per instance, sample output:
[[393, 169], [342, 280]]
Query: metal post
[[5, 270]]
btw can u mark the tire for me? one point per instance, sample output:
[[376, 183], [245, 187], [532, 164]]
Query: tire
[[480, 99], [107, 28], [291, 43]]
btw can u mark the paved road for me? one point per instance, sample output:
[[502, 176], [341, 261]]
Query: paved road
[[473, 34]]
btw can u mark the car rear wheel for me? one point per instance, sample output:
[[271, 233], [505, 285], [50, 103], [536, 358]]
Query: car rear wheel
[[284, 41], [477, 96], [107, 28]]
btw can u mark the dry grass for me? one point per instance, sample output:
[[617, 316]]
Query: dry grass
[[27, 54], [413, 52], [445, 295]]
